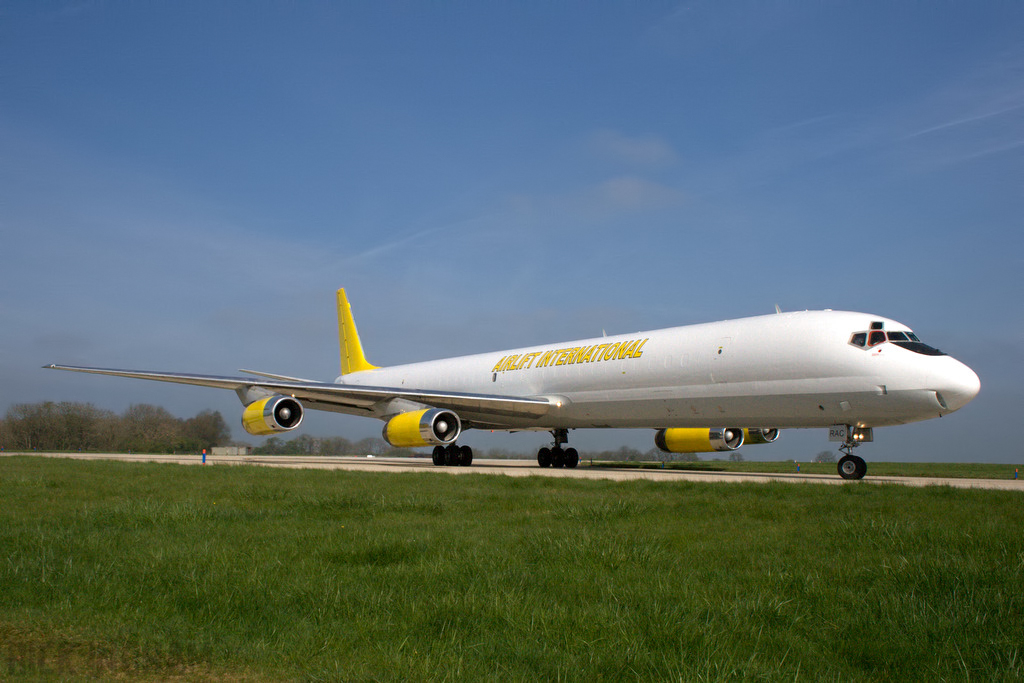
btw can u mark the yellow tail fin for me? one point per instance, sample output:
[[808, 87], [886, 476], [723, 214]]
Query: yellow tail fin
[[352, 358]]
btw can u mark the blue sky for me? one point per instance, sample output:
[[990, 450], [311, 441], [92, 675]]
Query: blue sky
[[184, 185]]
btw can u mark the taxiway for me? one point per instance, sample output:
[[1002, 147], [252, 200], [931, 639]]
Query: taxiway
[[529, 468]]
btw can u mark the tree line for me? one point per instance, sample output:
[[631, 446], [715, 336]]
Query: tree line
[[143, 428], [332, 445]]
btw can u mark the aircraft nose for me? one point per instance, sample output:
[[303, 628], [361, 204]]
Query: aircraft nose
[[958, 386]]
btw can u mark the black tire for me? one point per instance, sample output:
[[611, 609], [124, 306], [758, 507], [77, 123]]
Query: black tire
[[572, 457], [558, 458], [544, 457], [451, 455], [862, 467], [465, 456], [438, 455], [850, 469]]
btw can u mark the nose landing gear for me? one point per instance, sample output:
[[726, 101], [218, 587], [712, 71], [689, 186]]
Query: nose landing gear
[[851, 466], [557, 457]]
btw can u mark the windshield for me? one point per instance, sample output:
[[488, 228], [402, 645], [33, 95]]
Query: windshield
[[904, 339]]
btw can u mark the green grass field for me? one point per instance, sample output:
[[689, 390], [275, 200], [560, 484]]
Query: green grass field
[[147, 571]]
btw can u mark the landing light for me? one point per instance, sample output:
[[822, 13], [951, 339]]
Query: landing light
[[862, 434]]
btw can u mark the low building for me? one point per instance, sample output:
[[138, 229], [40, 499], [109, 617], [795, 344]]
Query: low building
[[231, 450]]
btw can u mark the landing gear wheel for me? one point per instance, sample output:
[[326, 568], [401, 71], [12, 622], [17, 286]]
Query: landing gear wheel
[[557, 457], [852, 467], [438, 455], [465, 456], [451, 455], [571, 457], [544, 457]]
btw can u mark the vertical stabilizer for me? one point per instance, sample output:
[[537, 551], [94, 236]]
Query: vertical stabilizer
[[352, 358]]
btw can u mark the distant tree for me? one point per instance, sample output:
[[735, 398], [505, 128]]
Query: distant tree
[[736, 456], [205, 430], [149, 429], [34, 426], [304, 445], [371, 446], [336, 445], [70, 426], [825, 456], [272, 446]]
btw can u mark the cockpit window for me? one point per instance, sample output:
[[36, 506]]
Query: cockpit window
[[905, 340], [918, 347]]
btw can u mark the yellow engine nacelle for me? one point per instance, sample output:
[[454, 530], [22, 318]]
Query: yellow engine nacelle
[[763, 435], [698, 439], [428, 427], [272, 415]]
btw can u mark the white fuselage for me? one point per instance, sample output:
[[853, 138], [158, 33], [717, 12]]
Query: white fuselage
[[784, 370]]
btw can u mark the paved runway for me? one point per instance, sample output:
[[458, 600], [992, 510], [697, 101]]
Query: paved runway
[[527, 468]]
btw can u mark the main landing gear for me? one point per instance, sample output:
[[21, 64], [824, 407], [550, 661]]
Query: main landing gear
[[557, 457], [452, 455], [851, 466]]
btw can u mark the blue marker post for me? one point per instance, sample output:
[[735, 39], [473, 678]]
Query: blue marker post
[[1015, 472], [798, 468], [204, 456]]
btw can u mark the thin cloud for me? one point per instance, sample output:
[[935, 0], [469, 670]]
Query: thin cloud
[[406, 240], [637, 151], [965, 121], [386, 247], [632, 193]]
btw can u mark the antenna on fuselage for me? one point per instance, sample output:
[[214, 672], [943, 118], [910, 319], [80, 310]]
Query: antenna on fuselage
[[778, 310]]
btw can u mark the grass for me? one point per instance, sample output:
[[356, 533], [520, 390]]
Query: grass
[[148, 571], [943, 470]]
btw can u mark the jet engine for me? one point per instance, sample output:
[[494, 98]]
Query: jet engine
[[428, 427], [699, 439], [763, 435], [272, 415]]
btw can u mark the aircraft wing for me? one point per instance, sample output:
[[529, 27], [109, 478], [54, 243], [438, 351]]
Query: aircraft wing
[[344, 397]]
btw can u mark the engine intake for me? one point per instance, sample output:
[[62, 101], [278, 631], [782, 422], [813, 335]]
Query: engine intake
[[272, 415], [428, 427], [698, 439]]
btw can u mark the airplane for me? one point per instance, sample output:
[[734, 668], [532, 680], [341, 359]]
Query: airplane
[[704, 388]]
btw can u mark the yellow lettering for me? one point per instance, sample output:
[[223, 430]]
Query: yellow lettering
[[545, 359], [639, 349], [609, 353], [588, 351], [497, 366], [627, 348], [597, 354]]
